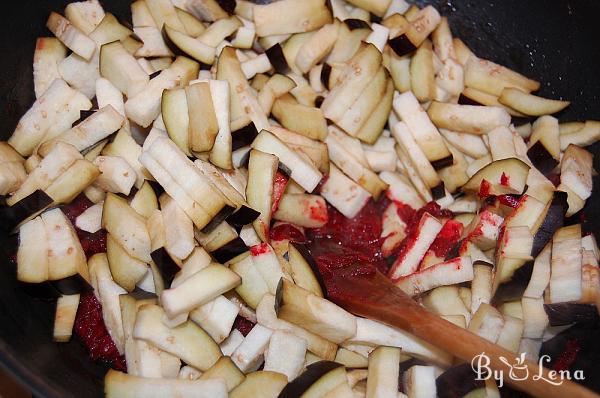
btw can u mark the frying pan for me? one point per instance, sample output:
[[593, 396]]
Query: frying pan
[[552, 41]]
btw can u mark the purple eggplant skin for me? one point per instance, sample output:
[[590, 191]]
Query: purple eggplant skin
[[457, 382], [154, 74], [225, 212], [319, 101], [441, 163], [561, 314], [227, 5], [72, 285], [541, 158], [464, 100], [438, 191], [168, 268], [404, 366], [230, 251], [140, 294], [243, 137], [313, 372], [243, 216], [576, 348], [172, 46], [515, 287], [26, 207], [277, 59], [353, 23], [402, 45], [555, 219], [83, 114], [305, 253], [325, 74]]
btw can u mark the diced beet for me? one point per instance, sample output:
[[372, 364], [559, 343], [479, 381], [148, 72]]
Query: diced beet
[[77, 206], [287, 231], [91, 330], [243, 325]]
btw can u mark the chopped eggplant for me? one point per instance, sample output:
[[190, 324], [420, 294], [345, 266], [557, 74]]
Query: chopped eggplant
[[299, 306]]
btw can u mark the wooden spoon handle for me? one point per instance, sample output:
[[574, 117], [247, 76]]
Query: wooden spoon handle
[[378, 299]]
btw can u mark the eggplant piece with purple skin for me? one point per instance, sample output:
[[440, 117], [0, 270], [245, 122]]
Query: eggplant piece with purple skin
[[402, 45], [457, 382], [23, 209], [560, 314], [225, 212], [168, 268], [555, 219], [243, 137], [230, 251], [541, 158], [72, 285], [277, 59], [83, 114], [353, 23], [310, 265], [141, 294], [576, 349], [302, 383], [515, 287], [464, 100], [325, 74], [404, 366], [243, 216], [227, 5], [442, 163], [439, 191]]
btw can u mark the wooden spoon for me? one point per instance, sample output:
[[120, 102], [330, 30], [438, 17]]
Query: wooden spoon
[[375, 297]]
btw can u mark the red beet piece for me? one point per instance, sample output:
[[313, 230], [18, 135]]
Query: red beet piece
[[91, 330]]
